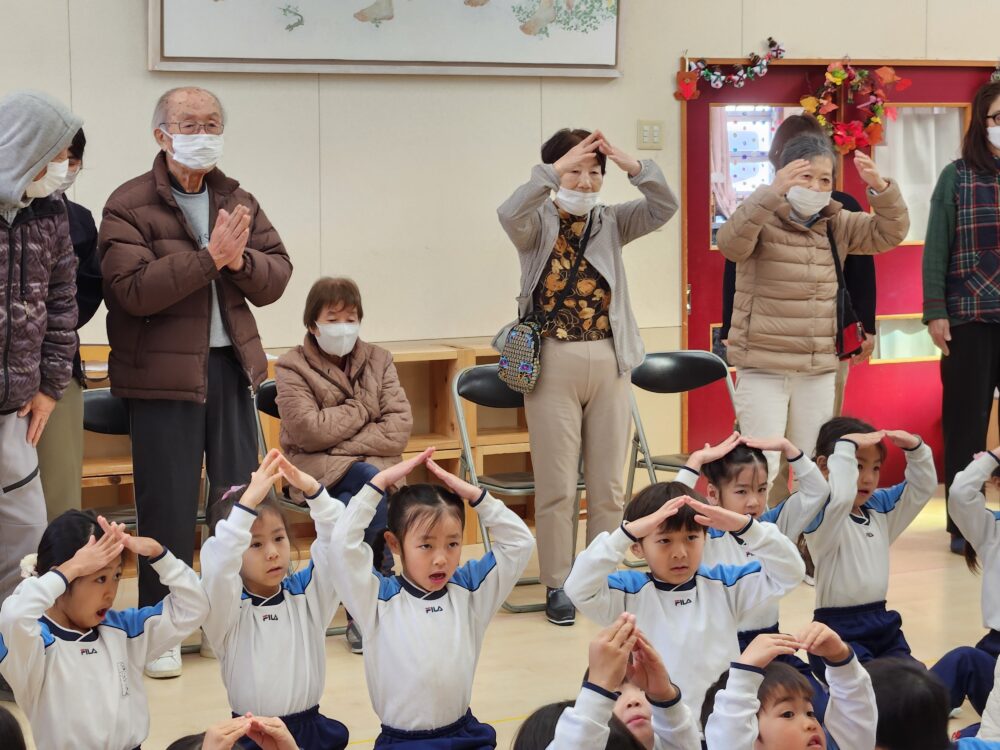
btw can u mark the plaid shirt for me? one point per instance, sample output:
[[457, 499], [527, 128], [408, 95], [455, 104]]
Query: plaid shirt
[[973, 280]]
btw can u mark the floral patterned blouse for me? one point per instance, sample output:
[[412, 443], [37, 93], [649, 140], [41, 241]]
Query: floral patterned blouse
[[584, 313]]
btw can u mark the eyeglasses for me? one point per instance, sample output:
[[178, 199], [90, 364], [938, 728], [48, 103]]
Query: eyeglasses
[[994, 118], [190, 128]]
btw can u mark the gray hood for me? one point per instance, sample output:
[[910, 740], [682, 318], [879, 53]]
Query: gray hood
[[34, 127]]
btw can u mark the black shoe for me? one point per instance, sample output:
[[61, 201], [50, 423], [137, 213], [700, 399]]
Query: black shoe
[[353, 636], [559, 610], [957, 545]]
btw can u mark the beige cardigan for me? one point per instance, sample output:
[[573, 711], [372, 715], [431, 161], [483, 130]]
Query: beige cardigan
[[785, 307], [331, 419]]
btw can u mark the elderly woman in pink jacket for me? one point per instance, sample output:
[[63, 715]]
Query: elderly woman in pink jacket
[[344, 415]]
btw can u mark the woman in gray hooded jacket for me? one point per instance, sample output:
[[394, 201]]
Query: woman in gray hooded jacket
[[37, 308]]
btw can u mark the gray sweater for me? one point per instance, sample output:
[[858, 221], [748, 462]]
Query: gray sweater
[[531, 220]]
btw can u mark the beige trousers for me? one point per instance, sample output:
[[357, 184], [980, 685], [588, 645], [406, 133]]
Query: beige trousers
[[60, 453], [579, 407], [780, 489]]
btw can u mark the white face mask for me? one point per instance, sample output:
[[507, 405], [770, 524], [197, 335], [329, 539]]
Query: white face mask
[[576, 202], [337, 339], [199, 151], [993, 133], [55, 173], [807, 203], [67, 183]]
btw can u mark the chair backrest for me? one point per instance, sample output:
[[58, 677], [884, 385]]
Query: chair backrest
[[267, 399], [104, 413], [677, 372], [482, 385]]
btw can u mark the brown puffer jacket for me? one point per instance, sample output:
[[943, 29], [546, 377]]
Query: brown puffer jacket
[[331, 419], [156, 285], [785, 307], [37, 304]]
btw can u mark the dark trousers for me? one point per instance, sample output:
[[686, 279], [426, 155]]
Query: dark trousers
[[169, 441], [311, 730], [870, 630], [468, 733], [968, 672], [969, 376], [350, 485]]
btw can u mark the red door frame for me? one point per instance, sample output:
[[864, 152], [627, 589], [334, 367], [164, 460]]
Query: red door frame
[[906, 394]]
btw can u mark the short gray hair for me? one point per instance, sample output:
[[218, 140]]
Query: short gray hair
[[808, 146], [163, 103]]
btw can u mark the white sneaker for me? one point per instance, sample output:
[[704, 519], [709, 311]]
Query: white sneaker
[[955, 713], [809, 580], [168, 664]]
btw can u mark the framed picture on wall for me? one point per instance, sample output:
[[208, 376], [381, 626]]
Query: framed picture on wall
[[575, 38]]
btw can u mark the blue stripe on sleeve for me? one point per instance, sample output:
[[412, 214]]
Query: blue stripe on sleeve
[[629, 581], [729, 575], [471, 575], [884, 499], [388, 587], [297, 583], [132, 621]]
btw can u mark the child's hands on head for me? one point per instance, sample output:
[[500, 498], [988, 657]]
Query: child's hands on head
[[820, 640], [468, 492], [609, 652], [862, 439], [95, 555], [902, 439], [301, 481], [262, 480], [713, 452], [648, 672], [766, 647], [388, 477], [643, 527], [139, 545], [718, 517], [781, 444]]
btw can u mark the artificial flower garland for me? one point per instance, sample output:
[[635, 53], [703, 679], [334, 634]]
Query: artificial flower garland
[[755, 68], [868, 87]]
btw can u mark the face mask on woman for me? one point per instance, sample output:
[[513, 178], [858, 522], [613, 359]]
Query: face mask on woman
[[68, 181], [993, 133], [337, 339], [55, 173], [806, 202], [576, 202]]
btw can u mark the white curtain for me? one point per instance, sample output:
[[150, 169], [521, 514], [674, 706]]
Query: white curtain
[[722, 177], [917, 146]]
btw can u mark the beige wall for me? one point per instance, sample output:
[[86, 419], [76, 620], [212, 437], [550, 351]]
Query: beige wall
[[394, 180]]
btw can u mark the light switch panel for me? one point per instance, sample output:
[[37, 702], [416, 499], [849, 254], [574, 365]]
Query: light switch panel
[[649, 135]]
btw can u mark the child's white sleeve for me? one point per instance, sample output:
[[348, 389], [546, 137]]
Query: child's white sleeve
[[781, 567], [588, 586], [851, 716], [351, 558], [494, 575], [22, 649], [823, 534], [990, 727], [674, 727], [687, 476], [919, 486], [967, 504], [733, 722], [802, 506], [164, 625], [221, 562], [584, 726], [321, 588]]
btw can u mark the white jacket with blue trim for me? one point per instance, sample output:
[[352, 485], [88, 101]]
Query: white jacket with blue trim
[[85, 690], [851, 551], [791, 517], [272, 651], [851, 715], [421, 649], [584, 726], [693, 625], [981, 528]]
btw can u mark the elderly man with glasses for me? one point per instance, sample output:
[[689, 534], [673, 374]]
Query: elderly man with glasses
[[184, 250]]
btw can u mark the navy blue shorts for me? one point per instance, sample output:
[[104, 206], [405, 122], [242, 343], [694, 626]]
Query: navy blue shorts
[[820, 695], [311, 730], [468, 733], [870, 629]]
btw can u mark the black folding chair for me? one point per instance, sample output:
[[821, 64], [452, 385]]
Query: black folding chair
[[671, 372], [482, 386], [266, 401]]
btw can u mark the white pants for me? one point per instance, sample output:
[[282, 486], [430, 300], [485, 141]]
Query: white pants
[[770, 404]]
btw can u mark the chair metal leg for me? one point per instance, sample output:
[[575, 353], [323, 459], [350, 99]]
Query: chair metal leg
[[632, 459]]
